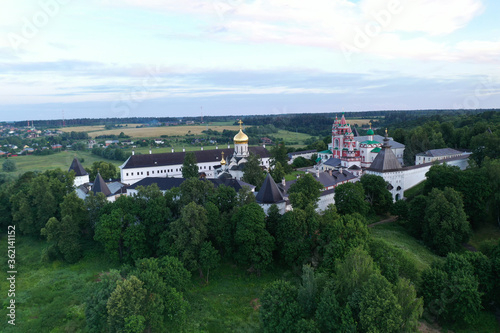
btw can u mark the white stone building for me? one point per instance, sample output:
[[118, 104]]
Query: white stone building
[[209, 163]]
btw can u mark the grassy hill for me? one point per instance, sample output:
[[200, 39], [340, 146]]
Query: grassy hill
[[60, 160]]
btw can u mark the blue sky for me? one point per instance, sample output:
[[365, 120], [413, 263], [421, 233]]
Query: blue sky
[[125, 58]]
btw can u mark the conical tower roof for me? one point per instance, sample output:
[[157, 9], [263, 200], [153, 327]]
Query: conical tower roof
[[385, 160], [100, 186], [77, 167], [269, 193]]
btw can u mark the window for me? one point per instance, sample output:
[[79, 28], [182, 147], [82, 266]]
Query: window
[[132, 174], [153, 172], [127, 174], [147, 173]]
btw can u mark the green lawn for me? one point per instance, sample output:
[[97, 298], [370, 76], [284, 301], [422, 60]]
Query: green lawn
[[397, 236], [60, 160], [293, 175]]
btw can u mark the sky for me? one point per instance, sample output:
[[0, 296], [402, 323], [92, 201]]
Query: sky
[[138, 58]]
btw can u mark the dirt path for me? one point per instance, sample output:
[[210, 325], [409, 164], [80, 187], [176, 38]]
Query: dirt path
[[388, 220]]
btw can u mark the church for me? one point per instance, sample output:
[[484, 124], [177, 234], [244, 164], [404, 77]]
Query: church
[[351, 149], [228, 162]]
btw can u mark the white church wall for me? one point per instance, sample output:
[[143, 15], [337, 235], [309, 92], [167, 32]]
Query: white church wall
[[80, 180], [281, 207]]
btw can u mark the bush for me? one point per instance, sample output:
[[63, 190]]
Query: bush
[[9, 166]]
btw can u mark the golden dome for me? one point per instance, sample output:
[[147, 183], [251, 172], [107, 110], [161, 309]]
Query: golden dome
[[240, 138], [222, 161]]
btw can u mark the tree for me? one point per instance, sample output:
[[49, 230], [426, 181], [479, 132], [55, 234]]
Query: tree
[[110, 234], [279, 309], [174, 273], [189, 166], [445, 223], [416, 208], [9, 166], [94, 204], [294, 238], [304, 192], [99, 292], [253, 173], [188, 234], [331, 317], [441, 176], [350, 198], [341, 236], [105, 169], [352, 273], [307, 292], [412, 306], [224, 197], [253, 243], [278, 172], [279, 154], [209, 258], [195, 190], [376, 193], [451, 290], [65, 236], [127, 300], [379, 308], [74, 207]]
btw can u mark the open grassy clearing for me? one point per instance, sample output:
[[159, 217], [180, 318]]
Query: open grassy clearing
[[399, 237], [60, 160], [230, 302]]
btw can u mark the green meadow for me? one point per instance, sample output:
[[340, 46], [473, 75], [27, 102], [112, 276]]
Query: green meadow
[[60, 160]]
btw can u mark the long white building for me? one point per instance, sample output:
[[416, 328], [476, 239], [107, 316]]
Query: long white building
[[209, 162]]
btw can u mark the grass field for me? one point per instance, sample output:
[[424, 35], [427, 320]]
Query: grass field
[[176, 131], [397, 236], [60, 160]]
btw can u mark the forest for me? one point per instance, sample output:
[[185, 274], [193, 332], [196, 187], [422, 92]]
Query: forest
[[330, 273]]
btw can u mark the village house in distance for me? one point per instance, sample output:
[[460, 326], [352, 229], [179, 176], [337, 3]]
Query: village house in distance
[[349, 157]]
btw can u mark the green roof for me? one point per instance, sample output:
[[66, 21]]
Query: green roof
[[368, 142], [375, 150], [325, 152], [370, 132]]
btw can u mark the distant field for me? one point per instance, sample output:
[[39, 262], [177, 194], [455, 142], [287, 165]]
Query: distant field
[[149, 132], [60, 160], [173, 131], [289, 136], [89, 129], [359, 122]]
